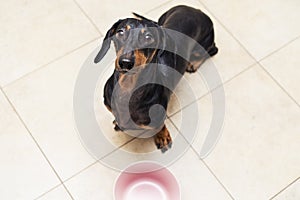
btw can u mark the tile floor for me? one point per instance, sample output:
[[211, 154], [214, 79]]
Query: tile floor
[[43, 45]]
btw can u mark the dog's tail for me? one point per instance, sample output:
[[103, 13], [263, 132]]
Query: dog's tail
[[139, 16], [142, 17]]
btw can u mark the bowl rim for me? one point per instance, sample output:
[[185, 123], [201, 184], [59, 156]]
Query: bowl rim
[[160, 167]]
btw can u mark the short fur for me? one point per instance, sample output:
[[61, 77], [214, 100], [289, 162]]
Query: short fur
[[189, 21]]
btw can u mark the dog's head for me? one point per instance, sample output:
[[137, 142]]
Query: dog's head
[[136, 42]]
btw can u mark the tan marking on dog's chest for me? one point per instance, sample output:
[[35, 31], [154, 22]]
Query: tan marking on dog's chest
[[127, 82]]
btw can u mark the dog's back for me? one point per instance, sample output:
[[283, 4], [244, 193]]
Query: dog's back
[[193, 23]]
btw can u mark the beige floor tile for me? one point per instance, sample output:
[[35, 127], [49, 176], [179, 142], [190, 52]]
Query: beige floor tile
[[196, 181], [56, 194], [44, 99], [200, 114], [105, 13], [284, 67], [291, 193], [24, 172], [190, 88], [257, 154], [261, 26], [96, 182], [36, 32]]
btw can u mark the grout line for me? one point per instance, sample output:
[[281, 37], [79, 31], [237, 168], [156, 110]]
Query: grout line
[[98, 160], [193, 149], [50, 62], [116, 149], [35, 141], [55, 187], [69, 193], [285, 188], [86, 15], [280, 48], [217, 87], [80, 171], [219, 181], [278, 84]]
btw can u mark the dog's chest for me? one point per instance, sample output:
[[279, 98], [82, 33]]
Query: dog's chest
[[122, 97]]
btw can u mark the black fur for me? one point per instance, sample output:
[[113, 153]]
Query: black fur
[[189, 21]]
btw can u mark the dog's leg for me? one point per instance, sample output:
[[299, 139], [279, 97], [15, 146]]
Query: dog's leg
[[213, 50], [117, 128], [195, 64], [196, 61], [163, 140]]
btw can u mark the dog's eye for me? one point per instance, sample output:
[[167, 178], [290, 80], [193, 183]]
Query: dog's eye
[[147, 39], [120, 33]]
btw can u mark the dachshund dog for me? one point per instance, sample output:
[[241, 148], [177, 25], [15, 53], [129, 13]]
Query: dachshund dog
[[141, 45]]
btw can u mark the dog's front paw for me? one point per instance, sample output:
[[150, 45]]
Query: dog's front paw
[[163, 140]]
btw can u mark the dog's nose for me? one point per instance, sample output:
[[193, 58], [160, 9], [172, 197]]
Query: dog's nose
[[126, 63]]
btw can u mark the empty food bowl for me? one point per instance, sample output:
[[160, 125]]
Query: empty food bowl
[[146, 181]]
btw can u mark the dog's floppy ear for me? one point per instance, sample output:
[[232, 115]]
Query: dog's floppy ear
[[106, 42]]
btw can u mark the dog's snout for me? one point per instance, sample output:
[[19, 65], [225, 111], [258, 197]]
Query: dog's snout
[[126, 63]]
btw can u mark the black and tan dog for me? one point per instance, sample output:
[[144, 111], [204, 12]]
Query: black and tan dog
[[140, 43]]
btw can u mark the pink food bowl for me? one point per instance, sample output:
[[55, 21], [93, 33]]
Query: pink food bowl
[[146, 181]]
